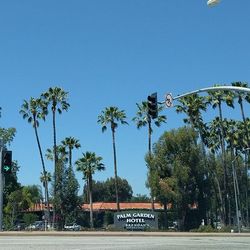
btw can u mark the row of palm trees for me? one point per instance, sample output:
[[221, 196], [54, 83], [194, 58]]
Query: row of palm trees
[[56, 99], [221, 134]]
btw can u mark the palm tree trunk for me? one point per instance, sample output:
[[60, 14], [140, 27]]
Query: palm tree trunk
[[44, 174], [90, 202], [70, 158], [55, 167], [115, 170], [149, 136], [150, 153], [222, 142]]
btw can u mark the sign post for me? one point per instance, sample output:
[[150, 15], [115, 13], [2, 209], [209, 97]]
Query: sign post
[[1, 187]]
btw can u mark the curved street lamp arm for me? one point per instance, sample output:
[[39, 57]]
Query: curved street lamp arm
[[233, 88]]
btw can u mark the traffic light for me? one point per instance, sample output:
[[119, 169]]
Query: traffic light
[[152, 106], [6, 162]]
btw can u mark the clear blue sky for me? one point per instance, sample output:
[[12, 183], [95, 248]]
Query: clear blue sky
[[113, 52]]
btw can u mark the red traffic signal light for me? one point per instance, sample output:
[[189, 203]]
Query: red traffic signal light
[[6, 162], [153, 106]]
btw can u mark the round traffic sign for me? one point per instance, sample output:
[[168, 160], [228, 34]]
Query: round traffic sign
[[169, 100]]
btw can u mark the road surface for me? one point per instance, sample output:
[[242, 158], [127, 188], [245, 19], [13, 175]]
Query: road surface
[[122, 242]]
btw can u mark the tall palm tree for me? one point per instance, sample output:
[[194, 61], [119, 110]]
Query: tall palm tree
[[88, 165], [216, 99], [71, 143], [143, 119], [46, 178], [33, 110], [243, 96], [57, 98], [112, 115]]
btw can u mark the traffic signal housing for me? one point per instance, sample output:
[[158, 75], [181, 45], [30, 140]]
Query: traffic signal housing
[[6, 162], [153, 106]]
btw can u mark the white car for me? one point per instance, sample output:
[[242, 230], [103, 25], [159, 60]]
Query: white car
[[72, 227]]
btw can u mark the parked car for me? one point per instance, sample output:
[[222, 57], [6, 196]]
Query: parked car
[[72, 227], [37, 225], [19, 226]]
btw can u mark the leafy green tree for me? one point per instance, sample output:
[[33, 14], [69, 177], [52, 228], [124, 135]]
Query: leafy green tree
[[112, 115], [140, 198], [58, 195], [125, 191], [7, 135], [20, 200], [57, 98], [105, 190], [176, 159], [88, 165], [70, 200], [11, 182], [30, 218], [33, 110], [98, 191], [192, 106]]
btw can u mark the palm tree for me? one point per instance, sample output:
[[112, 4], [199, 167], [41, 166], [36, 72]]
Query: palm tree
[[143, 119], [88, 165], [112, 115], [57, 98], [45, 178], [216, 99], [71, 143], [243, 96], [33, 110]]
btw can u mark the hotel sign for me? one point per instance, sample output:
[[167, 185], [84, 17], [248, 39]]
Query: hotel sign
[[136, 220]]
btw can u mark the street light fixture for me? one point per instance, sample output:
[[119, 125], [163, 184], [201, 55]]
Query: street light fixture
[[212, 3]]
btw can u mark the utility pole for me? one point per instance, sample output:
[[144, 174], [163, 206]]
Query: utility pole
[[1, 186]]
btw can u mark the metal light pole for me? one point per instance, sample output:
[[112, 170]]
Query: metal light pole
[[235, 190], [1, 186]]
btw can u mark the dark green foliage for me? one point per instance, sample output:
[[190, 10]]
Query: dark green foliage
[[140, 198], [30, 218], [70, 201], [177, 173], [105, 191]]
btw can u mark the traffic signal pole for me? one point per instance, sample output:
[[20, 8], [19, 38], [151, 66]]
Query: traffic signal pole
[[1, 187]]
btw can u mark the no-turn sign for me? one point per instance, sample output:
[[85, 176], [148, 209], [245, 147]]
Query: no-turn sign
[[169, 100]]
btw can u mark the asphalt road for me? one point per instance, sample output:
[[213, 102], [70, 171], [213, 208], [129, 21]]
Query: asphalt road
[[122, 242]]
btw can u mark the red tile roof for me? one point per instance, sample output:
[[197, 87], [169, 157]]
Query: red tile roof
[[103, 206]]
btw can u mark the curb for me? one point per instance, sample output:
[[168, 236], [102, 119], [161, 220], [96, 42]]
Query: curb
[[121, 234]]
